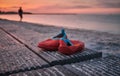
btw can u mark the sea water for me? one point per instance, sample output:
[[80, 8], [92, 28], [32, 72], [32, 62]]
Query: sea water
[[104, 23]]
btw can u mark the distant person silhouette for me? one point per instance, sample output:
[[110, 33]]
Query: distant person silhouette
[[20, 12]]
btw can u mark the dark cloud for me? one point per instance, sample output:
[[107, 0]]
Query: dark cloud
[[114, 5], [78, 7], [76, 1], [14, 7], [9, 7], [98, 3], [67, 7], [109, 3]]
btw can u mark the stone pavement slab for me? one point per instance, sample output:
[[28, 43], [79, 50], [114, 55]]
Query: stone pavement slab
[[52, 71], [107, 66], [6, 40], [15, 57], [31, 38]]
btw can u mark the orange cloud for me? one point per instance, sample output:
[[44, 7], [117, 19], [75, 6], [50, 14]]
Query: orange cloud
[[62, 6]]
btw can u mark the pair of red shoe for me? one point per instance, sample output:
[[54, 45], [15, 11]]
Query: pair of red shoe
[[61, 46]]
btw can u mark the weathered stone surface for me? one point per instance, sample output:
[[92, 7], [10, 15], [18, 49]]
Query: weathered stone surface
[[6, 40], [87, 54], [108, 66], [52, 71], [31, 39], [15, 57], [19, 58]]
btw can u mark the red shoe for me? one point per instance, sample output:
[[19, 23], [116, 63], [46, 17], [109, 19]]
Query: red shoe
[[52, 44], [68, 50], [49, 45]]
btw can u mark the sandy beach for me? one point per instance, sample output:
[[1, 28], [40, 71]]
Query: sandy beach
[[108, 43]]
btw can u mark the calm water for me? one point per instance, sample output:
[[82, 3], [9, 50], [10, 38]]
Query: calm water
[[104, 23]]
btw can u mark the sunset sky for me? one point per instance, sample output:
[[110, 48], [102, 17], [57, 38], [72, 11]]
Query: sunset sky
[[63, 6]]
